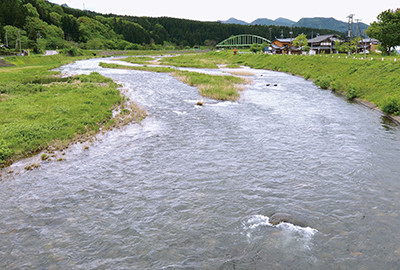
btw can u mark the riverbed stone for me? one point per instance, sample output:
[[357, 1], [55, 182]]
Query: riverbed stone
[[277, 218]]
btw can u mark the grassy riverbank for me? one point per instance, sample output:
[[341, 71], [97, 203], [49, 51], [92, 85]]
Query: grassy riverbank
[[376, 81], [39, 109], [373, 80]]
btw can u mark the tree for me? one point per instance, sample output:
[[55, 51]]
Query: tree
[[300, 41], [12, 36], [342, 47], [54, 37], [386, 30], [255, 48], [70, 26], [35, 27]]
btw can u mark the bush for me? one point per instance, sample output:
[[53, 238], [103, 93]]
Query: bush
[[5, 152], [351, 92], [255, 48], [134, 46], [391, 106], [5, 51], [336, 85], [323, 81], [71, 51]]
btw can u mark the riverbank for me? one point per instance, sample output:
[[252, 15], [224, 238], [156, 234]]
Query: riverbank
[[371, 82], [40, 110]]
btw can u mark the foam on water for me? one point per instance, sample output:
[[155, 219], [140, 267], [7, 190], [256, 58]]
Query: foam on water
[[179, 113], [260, 220], [291, 233]]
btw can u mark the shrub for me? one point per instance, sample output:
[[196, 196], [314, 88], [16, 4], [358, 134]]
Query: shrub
[[391, 106], [72, 51], [255, 48], [351, 92], [336, 85], [323, 82], [5, 152]]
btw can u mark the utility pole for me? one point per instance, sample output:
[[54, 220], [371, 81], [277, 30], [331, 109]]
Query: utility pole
[[350, 26], [282, 33], [358, 29], [350, 29], [6, 41]]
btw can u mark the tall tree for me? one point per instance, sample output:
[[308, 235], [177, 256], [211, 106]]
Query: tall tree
[[300, 41], [386, 29]]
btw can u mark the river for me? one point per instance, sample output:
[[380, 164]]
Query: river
[[193, 187]]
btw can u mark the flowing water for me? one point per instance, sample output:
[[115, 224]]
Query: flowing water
[[193, 187]]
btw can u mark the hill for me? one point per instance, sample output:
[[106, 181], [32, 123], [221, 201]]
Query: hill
[[328, 23], [284, 22], [316, 23], [40, 25], [234, 21]]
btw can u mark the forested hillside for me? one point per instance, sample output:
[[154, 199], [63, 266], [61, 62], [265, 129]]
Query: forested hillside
[[40, 25]]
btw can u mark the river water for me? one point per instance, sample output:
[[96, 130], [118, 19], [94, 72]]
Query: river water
[[193, 187]]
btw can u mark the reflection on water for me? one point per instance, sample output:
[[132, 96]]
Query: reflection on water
[[192, 187]]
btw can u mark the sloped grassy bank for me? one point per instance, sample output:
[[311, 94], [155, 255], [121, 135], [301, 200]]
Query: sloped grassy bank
[[39, 109], [375, 81]]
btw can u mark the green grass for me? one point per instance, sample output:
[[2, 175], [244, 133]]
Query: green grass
[[212, 86], [38, 109], [142, 68], [374, 80], [138, 60], [188, 60]]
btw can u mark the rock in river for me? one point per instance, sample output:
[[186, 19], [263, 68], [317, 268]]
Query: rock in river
[[277, 218]]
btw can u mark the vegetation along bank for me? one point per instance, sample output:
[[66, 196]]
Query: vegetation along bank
[[40, 110], [376, 80]]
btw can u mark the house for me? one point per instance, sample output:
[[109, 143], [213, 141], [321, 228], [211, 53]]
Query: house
[[368, 44], [283, 46], [324, 44]]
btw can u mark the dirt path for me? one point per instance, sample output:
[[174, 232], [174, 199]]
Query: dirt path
[[4, 63]]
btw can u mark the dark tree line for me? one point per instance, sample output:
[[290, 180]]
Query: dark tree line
[[48, 25]]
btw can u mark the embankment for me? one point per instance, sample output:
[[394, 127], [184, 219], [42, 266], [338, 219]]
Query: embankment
[[373, 81], [41, 110]]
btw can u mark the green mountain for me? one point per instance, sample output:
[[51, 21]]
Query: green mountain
[[316, 23], [329, 23], [39, 25], [263, 21], [234, 21], [284, 22], [279, 21]]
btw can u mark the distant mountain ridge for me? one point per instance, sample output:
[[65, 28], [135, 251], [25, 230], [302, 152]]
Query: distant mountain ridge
[[316, 22]]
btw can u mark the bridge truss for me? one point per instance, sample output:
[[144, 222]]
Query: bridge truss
[[241, 41]]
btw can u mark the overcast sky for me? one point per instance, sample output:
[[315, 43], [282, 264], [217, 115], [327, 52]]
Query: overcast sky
[[214, 10]]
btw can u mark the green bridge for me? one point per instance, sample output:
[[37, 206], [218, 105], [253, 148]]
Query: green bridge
[[241, 41]]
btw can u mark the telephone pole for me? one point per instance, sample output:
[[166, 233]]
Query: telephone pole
[[358, 29], [350, 30], [350, 26]]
